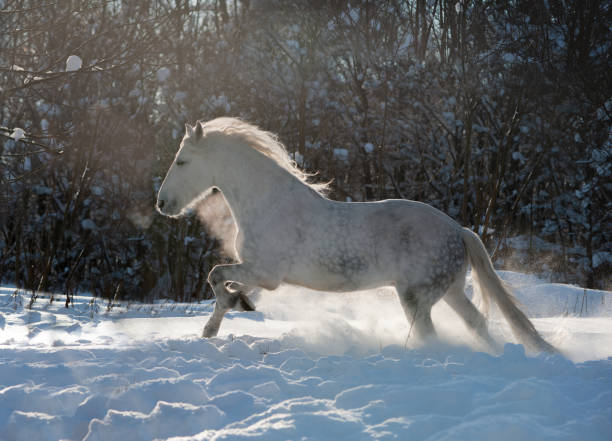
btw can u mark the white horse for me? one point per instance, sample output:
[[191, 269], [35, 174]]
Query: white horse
[[288, 232]]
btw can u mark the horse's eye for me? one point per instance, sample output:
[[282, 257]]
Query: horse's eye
[[180, 162]]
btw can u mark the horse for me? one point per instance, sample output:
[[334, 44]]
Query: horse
[[289, 232]]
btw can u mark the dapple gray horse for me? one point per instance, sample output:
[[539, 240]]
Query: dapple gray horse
[[288, 232]]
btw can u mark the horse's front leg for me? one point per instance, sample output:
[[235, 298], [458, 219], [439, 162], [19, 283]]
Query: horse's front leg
[[243, 302], [219, 278]]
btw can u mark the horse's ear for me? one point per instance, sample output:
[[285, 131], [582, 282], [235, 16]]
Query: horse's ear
[[188, 130], [198, 130]]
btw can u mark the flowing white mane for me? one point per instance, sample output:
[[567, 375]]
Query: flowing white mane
[[266, 143]]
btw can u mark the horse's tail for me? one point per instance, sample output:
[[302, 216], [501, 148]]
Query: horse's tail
[[492, 287]]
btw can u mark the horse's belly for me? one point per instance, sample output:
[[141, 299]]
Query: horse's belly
[[335, 283], [341, 274]]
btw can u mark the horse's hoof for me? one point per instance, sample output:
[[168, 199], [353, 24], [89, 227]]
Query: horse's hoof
[[209, 332]]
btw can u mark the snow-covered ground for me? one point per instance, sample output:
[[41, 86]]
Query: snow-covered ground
[[306, 366]]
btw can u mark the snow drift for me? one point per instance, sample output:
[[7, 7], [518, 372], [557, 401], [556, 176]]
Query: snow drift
[[307, 365]]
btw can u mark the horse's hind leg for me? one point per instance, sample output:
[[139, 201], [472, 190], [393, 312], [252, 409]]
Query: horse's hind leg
[[455, 297], [417, 305], [214, 322]]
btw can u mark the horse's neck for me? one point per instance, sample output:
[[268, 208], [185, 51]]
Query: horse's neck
[[255, 184]]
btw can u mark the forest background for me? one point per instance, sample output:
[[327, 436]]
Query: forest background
[[498, 113]]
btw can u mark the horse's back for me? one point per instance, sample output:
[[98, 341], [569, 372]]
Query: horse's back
[[395, 216]]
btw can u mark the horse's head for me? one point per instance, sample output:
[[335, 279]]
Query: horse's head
[[188, 176]]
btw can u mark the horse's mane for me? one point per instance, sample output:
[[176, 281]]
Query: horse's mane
[[266, 143]]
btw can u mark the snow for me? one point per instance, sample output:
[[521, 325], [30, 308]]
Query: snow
[[292, 44], [88, 224], [601, 257], [509, 58], [98, 191], [406, 42], [163, 74], [341, 154], [298, 158], [518, 156], [449, 117], [42, 190], [307, 365], [73, 62], [180, 95], [18, 133]]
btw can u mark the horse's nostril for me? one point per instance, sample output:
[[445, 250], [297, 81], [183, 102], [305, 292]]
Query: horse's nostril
[[160, 203]]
